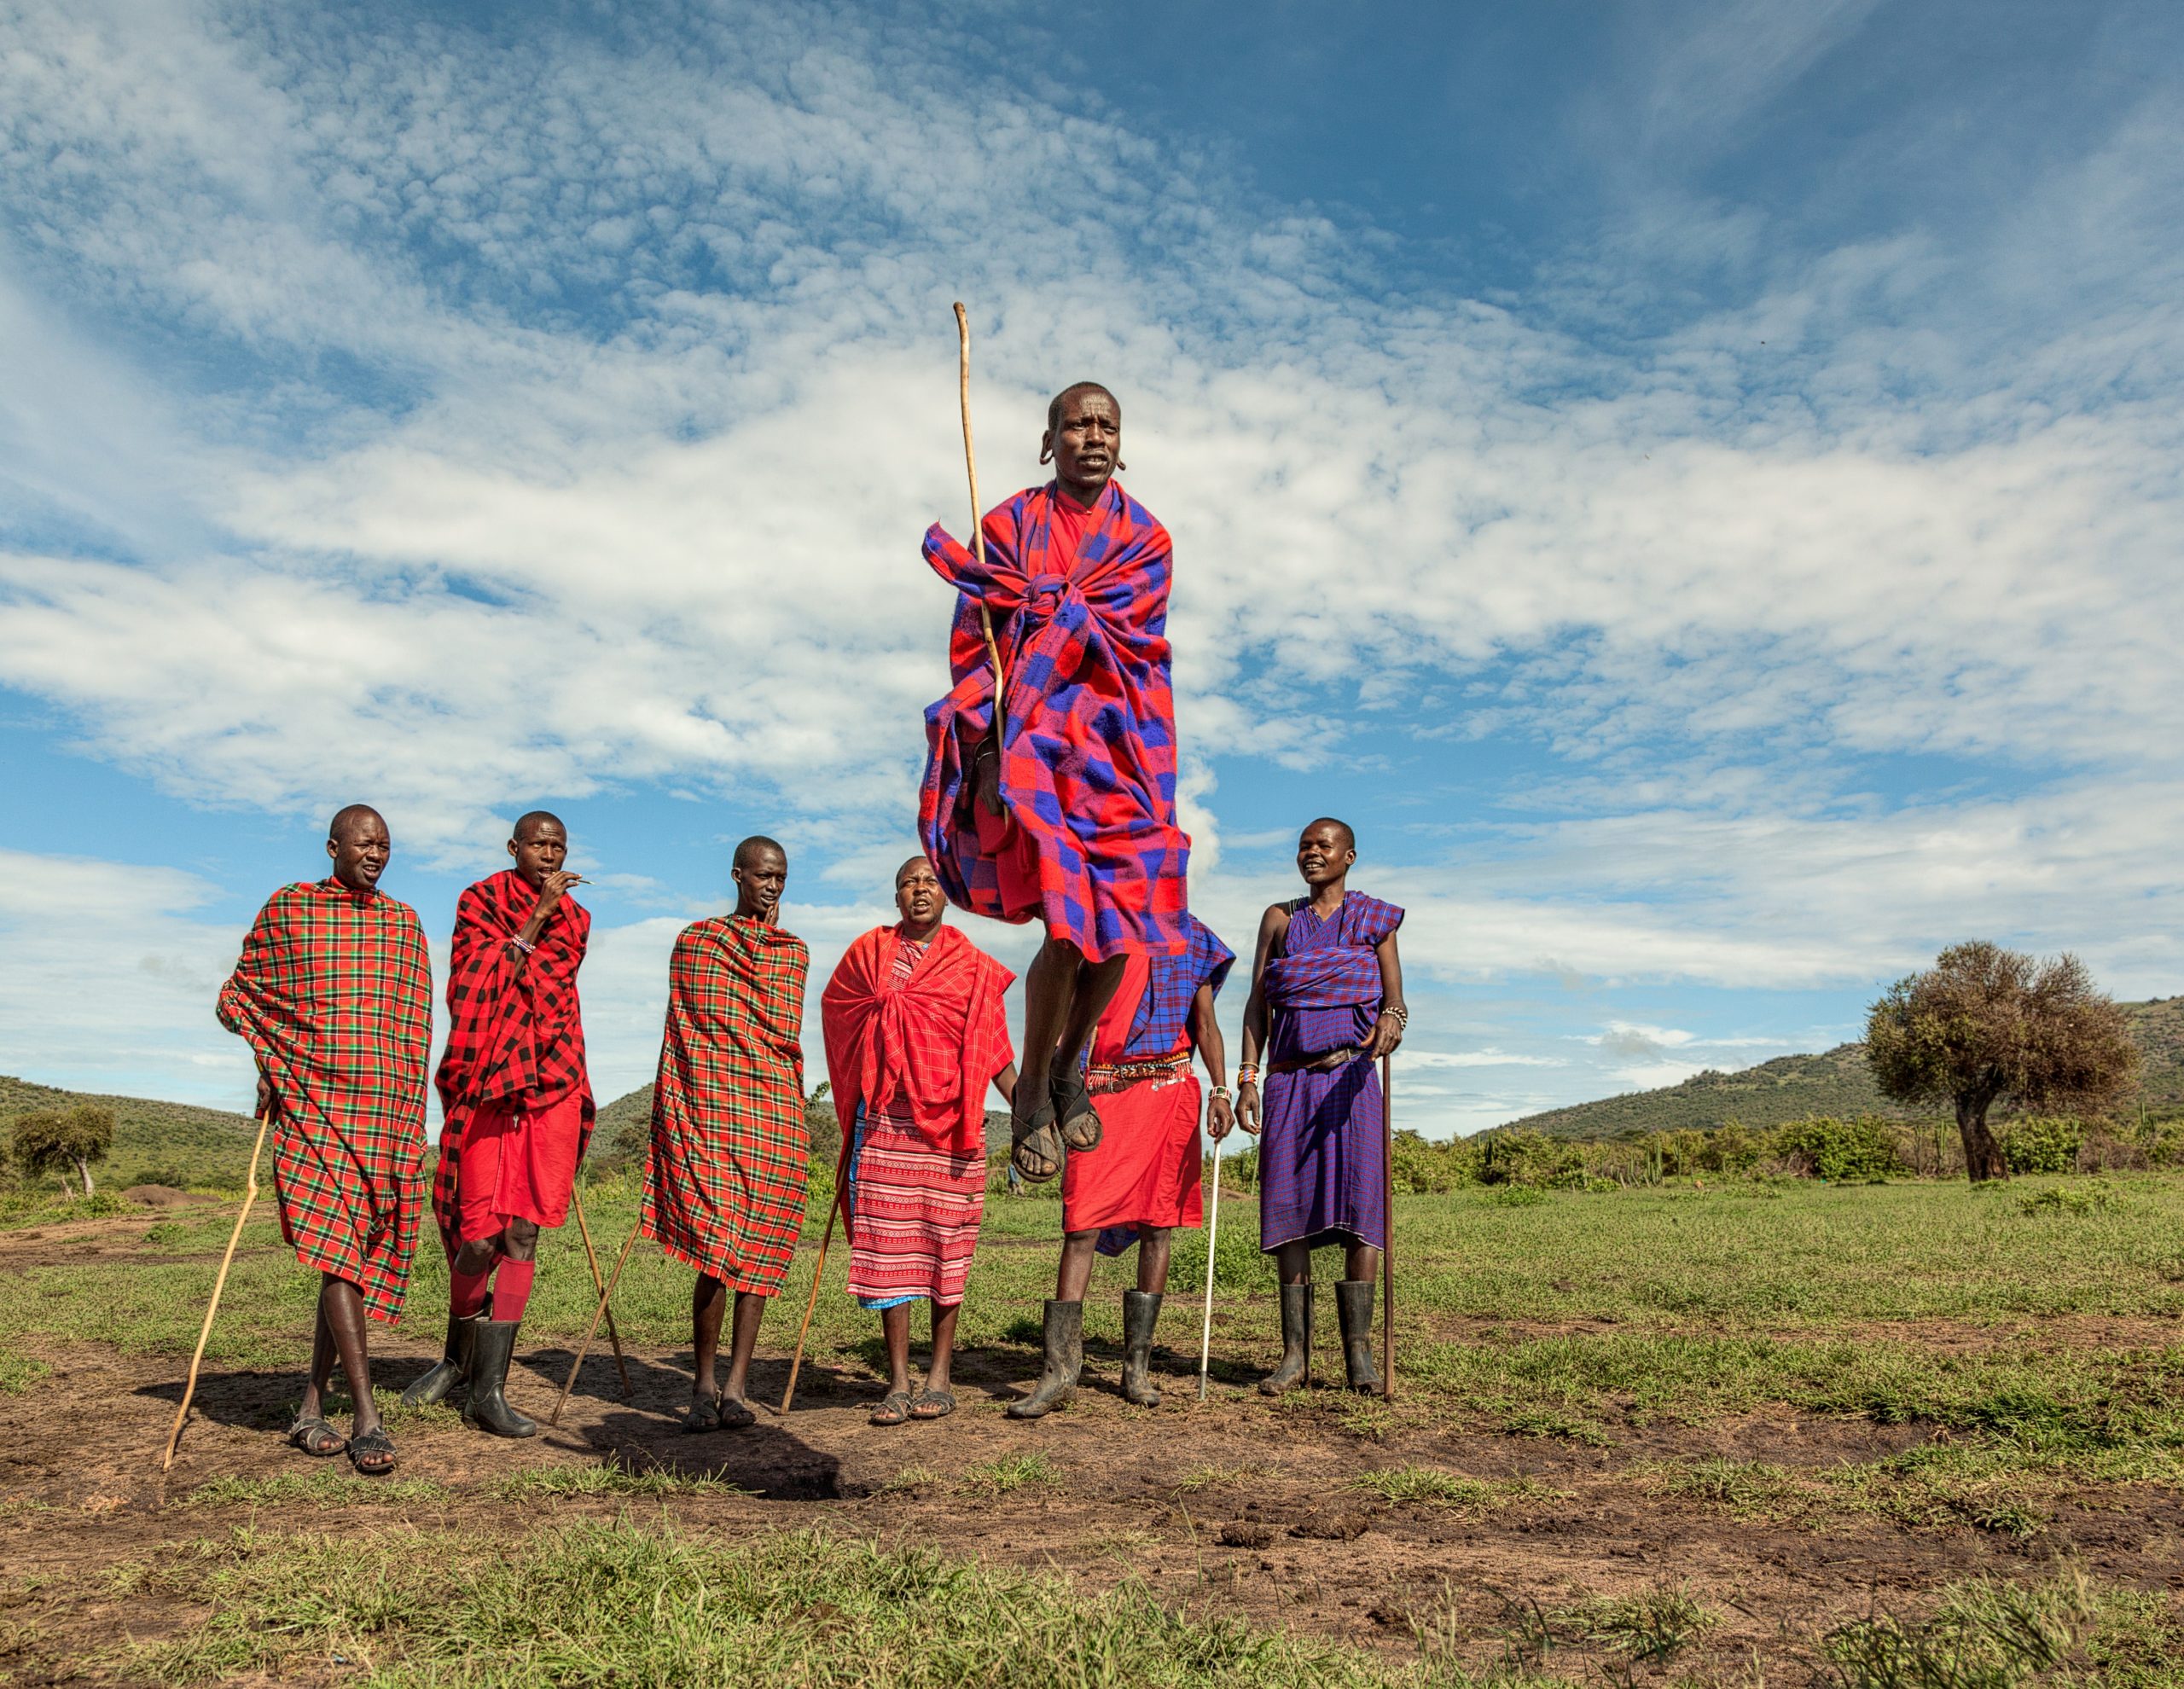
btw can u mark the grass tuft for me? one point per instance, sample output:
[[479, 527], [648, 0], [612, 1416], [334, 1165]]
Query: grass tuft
[[2068, 1199], [329, 1487], [1985, 1634], [1008, 1474], [1651, 1626], [611, 1478]]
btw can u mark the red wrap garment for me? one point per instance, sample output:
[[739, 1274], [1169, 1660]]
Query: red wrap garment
[[513, 1083]]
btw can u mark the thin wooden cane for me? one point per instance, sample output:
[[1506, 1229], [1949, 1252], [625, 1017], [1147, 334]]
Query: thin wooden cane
[[1388, 1244], [977, 509], [1213, 1238], [796, 1361], [219, 1284], [606, 1296], [599, 1283]]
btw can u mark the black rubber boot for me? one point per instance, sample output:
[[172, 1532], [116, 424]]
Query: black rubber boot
[[1296, 1342], [1353, 1306], [492, 1345], [1057, 1385], [446, 1376], [1141, 1313]]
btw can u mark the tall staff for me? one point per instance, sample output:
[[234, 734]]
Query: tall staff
[[1213, 1238], [1388, 1244], [219, 1284], [978, 509], [818, 1271]]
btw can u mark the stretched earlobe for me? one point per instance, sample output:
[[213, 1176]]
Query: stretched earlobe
[[1046, 453], [1120, 466]]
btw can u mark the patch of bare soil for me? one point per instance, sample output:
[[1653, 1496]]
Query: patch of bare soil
[[1235, 1506]]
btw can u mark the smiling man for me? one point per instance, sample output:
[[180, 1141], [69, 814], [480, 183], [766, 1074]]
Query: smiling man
[[334, 995], [724, 1186], [518, 1110], [1327, 1002], [915, 1034], [1064, 808]]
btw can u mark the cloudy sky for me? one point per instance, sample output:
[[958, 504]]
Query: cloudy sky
[[1696, 482]]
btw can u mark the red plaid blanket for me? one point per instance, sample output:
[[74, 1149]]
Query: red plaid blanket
[[515, 1034], [333, 994], [724, 1186], [926, 1046], [1088, 771]]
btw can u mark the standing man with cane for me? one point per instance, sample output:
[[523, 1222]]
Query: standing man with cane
[[1326, 1004], [333, 994], [518, 1110]]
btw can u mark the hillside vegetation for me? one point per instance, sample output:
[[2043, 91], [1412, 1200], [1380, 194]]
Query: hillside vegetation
[[1835, 1083], [161, 1143]]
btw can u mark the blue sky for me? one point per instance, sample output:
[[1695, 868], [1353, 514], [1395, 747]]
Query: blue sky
[[1696, 484]]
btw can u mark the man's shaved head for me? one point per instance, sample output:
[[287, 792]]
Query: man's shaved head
[[531, 821], [1055, 404], [345, 820], [912, 863], [1342, 830], [753, 846]]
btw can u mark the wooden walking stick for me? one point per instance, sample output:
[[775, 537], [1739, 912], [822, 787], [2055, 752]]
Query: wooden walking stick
[[1388, 1249], [1213, 1238], [219, 1284], [598, 1284], [833, 1213], [606, 1296], [977, 510]]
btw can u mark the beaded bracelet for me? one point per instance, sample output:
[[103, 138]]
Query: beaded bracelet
[[526, 949], [1248, 1074], [1401, 1013], [1221, 1091]]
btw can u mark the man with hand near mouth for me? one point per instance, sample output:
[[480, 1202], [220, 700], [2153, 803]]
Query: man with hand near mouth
[[915, 1032], [724, 1186], [1058, 799], [517, 1107], [333, 994]]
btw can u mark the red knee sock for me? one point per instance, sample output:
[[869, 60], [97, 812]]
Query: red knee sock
[[512, 1288], [465, 1292]]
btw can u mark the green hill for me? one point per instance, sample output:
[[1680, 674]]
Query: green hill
[[626, 1124], [1834, 1083], [161, 1143]]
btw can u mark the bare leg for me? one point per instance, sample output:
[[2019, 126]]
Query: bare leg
[[341, 1306], [1153, 1260], [1049, 987], [895, 1330], [475, 1256], [750, 1309], [1096, 988], [1361, 1261], [708, 1301], [313, 1405], [519, 1239], [1077, 1249], [1295, 1262], [944, 1342]]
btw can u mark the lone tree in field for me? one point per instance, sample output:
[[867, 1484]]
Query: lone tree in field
[[1984, 1025], [53, 1140]]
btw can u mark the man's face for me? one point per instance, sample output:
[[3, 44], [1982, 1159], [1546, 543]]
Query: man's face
[[761, 875], [541, 851], [1087, 441], [1322, 855], [360, 852], [918, 896]]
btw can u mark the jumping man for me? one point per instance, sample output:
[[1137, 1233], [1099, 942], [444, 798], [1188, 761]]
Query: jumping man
[[1067, 812], [724, 1187], [517, 1107], [333, 994], [915, 1034], [1327, 979]]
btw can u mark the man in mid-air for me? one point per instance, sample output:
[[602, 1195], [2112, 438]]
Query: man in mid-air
[[517, 1109], [723, 1191], [334, 995]]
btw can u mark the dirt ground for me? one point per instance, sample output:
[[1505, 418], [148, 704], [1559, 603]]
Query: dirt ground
[[1285, 1542]]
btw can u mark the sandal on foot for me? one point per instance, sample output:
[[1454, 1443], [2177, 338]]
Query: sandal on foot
[[934, 1404], [734, 1415], [1081, 1126], [1036, 1146], [894, 1409], [703, 1416], [316, 1438], [372, 1454]]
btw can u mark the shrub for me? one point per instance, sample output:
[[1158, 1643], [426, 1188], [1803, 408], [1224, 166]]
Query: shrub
[[2036, 1143], [1840, 1151]]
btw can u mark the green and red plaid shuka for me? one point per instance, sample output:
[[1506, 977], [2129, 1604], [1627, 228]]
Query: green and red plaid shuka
[[334, 995], [724, 1185]]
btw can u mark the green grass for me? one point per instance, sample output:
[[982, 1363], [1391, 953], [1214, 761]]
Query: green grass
[[329, 1486], [636, 1602], [1655, 1625], [609, 1478], [1007, 1474]]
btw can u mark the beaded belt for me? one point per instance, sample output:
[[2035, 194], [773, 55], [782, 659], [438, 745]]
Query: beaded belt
[[1121, 1076]]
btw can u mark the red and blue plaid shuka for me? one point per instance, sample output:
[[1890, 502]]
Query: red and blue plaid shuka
[[515, 1034], [724, 1187], [1087, 768], [334, 995]]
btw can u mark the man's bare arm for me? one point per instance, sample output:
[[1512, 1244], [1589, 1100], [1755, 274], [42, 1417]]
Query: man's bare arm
[[1272, 925], [1387, 1035]]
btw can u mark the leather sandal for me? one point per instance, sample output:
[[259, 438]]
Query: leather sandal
[[316, 1438], [703, 1416], [894, 1409], [1081, 1125], [1035, 1144], [373, 1453], [934, 1404], [734, 1415]]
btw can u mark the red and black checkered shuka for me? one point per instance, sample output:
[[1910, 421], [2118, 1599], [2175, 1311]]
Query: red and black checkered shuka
[[515, 1023], [724, 1185], [334, 995], [1087, 768]]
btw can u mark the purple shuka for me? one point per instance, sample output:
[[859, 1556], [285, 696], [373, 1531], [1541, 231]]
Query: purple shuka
[[1321, 1157]]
